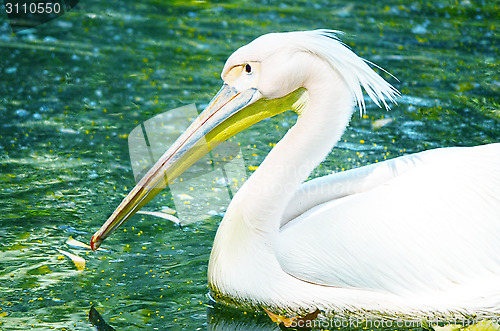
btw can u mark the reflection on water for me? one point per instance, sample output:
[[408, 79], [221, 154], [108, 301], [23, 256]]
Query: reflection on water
[[221, 318], [96, 319], [73, 89]]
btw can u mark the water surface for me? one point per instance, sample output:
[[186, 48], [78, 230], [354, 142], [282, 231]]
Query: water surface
[[73, 89]]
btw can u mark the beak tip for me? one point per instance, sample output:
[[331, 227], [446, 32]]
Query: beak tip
[[95, 242]]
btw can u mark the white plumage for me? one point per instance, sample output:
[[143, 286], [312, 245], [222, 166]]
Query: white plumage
[[417, 235]]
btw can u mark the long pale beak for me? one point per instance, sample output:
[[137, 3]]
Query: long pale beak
[[228, 113]]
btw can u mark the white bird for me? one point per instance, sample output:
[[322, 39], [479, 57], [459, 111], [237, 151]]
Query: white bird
[[418, 235]]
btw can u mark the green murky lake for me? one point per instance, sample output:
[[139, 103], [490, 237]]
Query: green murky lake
[[73, 89]]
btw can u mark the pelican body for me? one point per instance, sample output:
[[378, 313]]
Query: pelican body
[[418, 235]]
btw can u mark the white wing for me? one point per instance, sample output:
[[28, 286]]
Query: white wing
[[420, 223]]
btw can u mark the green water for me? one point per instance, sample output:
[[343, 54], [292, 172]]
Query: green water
[[72, 90]]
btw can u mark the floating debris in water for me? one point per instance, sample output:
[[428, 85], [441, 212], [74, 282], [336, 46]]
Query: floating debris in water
[[168, 210], [78, 244], [292, 321], [184, 196], [161, 215], [377, 124], [78, 261]]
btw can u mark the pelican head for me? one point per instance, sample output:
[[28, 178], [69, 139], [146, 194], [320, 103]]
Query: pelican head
[[272, 74]]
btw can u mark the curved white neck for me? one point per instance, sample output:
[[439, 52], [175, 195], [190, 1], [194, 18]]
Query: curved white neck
[[265, 195], [253, 218]]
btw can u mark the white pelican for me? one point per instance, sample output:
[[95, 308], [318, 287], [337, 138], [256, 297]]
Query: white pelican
[[418, 235]]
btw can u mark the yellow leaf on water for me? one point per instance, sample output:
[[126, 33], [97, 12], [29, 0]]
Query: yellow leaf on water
[[279, 319], [78, 261], [293, 320]]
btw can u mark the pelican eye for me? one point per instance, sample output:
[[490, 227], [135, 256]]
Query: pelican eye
[[248, 68]]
